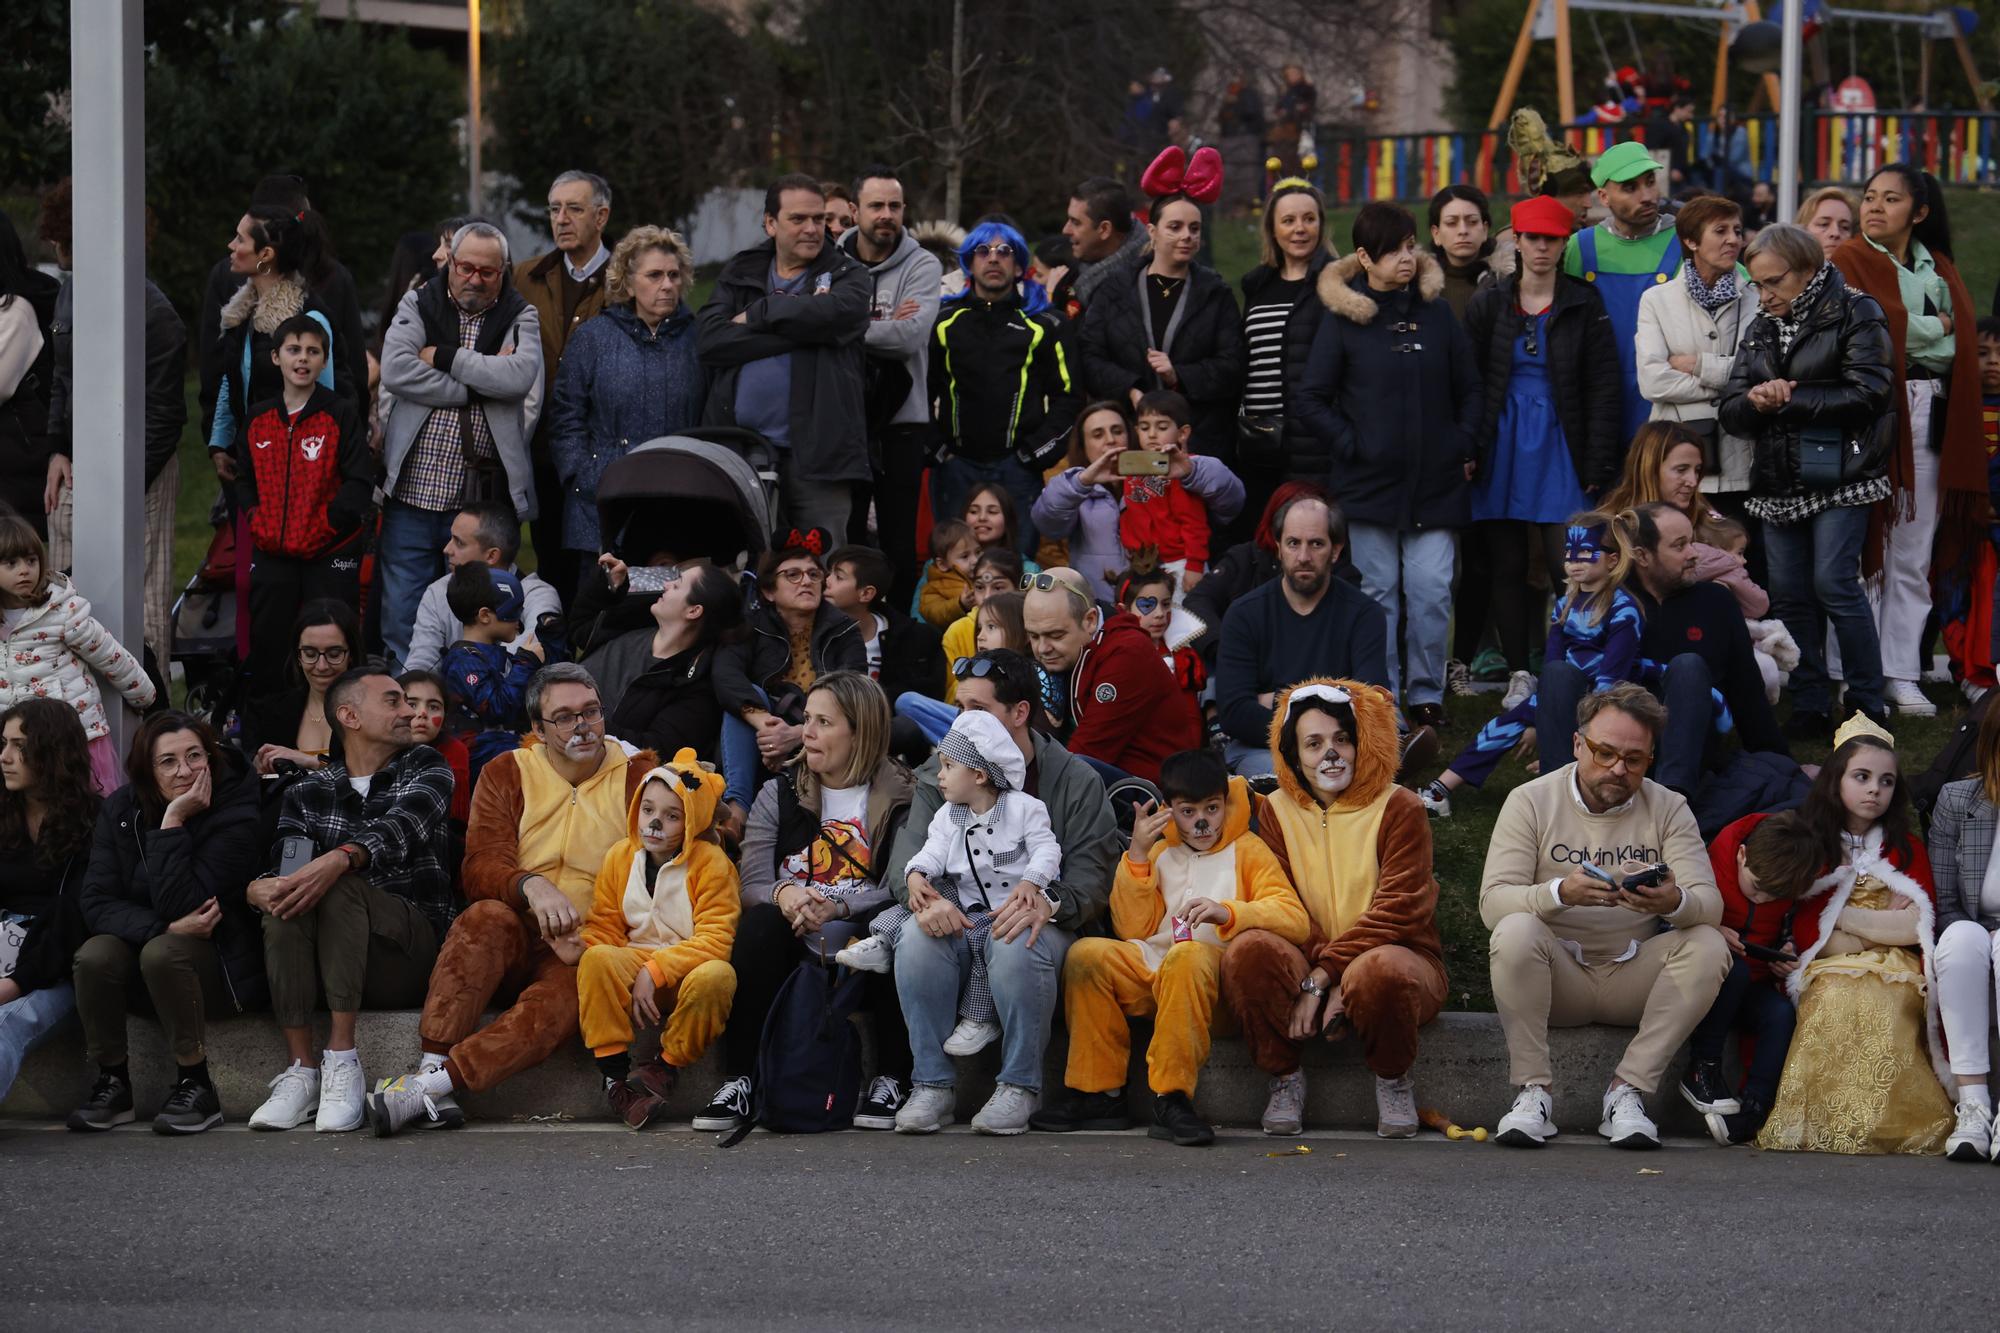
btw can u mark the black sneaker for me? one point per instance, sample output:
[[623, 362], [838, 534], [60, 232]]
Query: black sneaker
[[1805, 725], [1741, 1127], [1083, 1110], [886, 1096], [728, 1109], [1174, 1119], [110, 1103], [1706, 1089], [191, 1108]]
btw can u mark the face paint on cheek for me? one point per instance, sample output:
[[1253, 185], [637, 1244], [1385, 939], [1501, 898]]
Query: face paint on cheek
[[1333, 774], [579, 746]]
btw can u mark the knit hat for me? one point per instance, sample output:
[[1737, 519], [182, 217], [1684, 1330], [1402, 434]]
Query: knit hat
[[977, 740], [1541, 215], [1623, 162]]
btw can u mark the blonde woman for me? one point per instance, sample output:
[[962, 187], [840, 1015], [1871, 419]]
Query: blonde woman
[[1831, 214], [627, 377]]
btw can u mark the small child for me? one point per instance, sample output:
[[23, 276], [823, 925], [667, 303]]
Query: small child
[[1763, 864], [1193, 878], [1149, 595], [1595, 628], [305, 476], [988, 837], [658, 938], [1719, 558], [1158, 512], [425, 691], [486, 687], [50, 643], [948, 578]]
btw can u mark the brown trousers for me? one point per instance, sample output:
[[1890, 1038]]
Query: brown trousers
[[1389, 992], [183, 984], [360, 947], [492, 952]]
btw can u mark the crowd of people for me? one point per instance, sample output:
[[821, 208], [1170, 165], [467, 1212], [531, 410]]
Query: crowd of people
[[1100, 660]]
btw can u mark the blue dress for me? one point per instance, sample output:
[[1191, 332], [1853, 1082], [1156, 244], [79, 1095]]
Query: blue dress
[[1529, 477]]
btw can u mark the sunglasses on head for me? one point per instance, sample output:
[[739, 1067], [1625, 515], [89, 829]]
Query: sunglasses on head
[[975, 668]]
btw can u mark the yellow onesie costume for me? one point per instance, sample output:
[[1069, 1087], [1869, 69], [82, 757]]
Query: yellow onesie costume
[[680, 928], [1147, 972]]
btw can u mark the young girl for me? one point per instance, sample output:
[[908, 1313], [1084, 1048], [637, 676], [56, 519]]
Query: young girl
[[1867, 1070], [986, 819], [1084, 504], [1595, 628], [1002, 625], [50, 639], [1149, 595], [994, 520]]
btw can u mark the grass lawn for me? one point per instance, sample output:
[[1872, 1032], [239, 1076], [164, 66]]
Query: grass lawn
[[1460, 841]]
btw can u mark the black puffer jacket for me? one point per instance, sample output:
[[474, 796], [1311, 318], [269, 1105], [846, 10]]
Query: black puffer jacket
[[142, 878], [1841, 361], [1204, 340], [1392, 390], [764, 658], [1306, 457], [1583, 373]]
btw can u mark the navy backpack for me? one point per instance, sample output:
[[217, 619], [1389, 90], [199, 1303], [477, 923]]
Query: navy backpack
[[809, 1059]]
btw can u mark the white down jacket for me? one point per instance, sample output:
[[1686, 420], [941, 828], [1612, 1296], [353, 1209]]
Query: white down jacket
[[49, 650]]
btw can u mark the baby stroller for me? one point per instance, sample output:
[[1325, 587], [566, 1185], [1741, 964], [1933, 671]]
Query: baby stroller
[[204, 629], [711, 493]]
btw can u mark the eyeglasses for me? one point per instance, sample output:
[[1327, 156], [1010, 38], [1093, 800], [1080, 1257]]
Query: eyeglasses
[[812, 574], [993, 250], [1635, 761], [479, 271], [331, 656], [568, 722], [1145, 606]]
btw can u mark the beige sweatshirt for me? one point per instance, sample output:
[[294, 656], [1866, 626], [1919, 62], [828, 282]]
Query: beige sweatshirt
[[1545, 831]]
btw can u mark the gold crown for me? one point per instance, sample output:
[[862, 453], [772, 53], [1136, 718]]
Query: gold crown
[[1862, 725]]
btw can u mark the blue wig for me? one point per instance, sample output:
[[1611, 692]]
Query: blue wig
[[1034, 297]]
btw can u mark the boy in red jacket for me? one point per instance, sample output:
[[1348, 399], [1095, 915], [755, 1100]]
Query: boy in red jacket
[[305, 476], [1762, 864]]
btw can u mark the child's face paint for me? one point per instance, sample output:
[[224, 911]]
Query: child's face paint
[[1200, 822], [662, 820]]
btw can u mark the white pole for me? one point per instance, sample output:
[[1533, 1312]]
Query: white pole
[[108, 166], [475, 128], [1791, 84]]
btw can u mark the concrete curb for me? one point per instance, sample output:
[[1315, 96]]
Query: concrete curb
[[1461, 1069]]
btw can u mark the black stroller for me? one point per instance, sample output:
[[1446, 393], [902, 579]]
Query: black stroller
[[710, 494]]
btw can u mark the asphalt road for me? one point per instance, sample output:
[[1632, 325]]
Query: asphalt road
[[587, 1227]]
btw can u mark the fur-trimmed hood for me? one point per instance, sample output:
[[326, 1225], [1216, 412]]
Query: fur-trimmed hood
[[267, 312], [1377, 748], [1343, 288]]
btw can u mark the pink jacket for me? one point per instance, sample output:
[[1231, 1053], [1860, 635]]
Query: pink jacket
[[1717, 566]]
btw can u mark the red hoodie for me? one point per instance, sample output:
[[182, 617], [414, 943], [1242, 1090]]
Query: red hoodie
[[1129, 710]]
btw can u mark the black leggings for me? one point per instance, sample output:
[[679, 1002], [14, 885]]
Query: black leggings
[[766, 951], [1516, 606]]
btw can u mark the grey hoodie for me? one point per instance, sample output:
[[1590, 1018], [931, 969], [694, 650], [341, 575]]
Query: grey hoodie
[[910, 273]]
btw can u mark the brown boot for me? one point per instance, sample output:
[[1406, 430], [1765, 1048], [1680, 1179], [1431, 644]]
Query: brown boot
[[635, 1106], [656, 1077]]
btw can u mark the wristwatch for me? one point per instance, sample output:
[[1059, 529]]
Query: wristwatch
[[1055, 903], [1311, 987]]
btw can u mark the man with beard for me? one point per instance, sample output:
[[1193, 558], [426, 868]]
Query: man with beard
[[543, 816], [1698, 657], [463, 362], [1603, 909], [907, 279], [1628, 254], [1000, 380], [782, 335], [1304, 623], [1105, 241]]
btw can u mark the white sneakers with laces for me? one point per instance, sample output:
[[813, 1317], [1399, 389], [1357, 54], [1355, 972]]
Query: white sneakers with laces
[[870, 953], [1626, 1123], [1520, 686], [343, 1101], [1531, 1122], [1908, 698], [1395, 1107], [1972, 1140], [294, 1099]]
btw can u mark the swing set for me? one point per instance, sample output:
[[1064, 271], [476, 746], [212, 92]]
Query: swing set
[[1551, 19]]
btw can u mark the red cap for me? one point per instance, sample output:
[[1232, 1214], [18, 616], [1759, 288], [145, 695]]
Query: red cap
[[1542, 216]]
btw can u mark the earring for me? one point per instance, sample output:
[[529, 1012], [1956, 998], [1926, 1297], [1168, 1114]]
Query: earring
[[263, 266]]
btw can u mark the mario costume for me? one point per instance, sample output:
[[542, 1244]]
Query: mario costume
[[1623, 268]]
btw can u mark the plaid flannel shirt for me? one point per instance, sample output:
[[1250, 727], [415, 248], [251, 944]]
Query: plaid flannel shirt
[[401, 823], [434, 475]]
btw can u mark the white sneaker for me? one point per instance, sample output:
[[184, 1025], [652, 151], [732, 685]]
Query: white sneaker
[[1973, 693], [971, 1036], [294, 1099], [1395, 1108], [1531, 1122], [1007, 1110], [931, 1107], [1284, 1113], [342, 1103], [1905, 697], [1520, 687], [1437, 807], [870, 953], [1972, 1141], [1626, 1123]]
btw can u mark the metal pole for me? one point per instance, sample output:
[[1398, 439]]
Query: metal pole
[[108, 156], [475, 126], [1791, 86]]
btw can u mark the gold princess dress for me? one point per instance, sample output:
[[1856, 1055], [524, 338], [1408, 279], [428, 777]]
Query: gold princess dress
[[1859, 1078]]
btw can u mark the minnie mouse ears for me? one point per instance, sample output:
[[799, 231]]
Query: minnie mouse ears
[[1172, 173], [813, 541]]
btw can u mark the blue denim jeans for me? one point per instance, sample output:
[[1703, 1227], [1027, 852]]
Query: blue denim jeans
[[1408, 575], [410, 553], [25, 1023], [742, 767], [1816, 582], [1684, 689], [1758, 1009], [1248, 760], [952, 482], [930, 975], [933, 717]]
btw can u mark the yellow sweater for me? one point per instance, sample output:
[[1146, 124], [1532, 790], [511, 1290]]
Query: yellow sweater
[[961, 640]]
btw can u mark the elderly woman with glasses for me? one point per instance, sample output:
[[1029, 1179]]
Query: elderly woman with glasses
[[290, 726], [1812, 388]]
